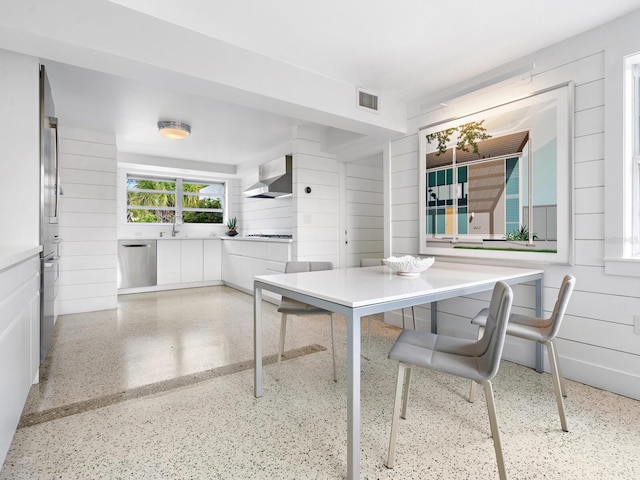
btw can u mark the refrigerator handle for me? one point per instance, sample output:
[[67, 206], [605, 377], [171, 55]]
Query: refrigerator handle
[[53, 123], [52, 262]]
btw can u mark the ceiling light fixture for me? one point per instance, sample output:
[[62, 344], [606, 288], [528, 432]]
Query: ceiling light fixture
[[174, 130]]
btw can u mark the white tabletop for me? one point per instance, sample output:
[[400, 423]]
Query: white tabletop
[[356, 287]]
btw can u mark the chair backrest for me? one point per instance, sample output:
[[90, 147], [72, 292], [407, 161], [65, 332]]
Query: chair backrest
[[559, 309], [298, 267], [371, 262], [489, 347]]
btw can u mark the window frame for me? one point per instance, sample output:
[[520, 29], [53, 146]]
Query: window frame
[[621, 161], [179, 194], [635, 153]]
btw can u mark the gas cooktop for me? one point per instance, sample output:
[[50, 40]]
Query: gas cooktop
[[263, 235]]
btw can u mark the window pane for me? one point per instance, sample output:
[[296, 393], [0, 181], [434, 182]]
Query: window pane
[[637, 111], [196, 216], [150, 184], [135, 215], [197, 201], [143, 199], [212, 189]]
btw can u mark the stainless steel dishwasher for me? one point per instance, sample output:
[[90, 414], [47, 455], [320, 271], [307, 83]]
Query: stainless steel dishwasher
[[137, 263]]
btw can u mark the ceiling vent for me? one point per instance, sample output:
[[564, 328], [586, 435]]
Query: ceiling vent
[[367, 100]]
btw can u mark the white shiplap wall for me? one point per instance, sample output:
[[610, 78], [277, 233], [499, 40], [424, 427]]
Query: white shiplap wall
[[596, 343], [316, 215], [261, 215], [20, 158], [88, 227], [364, 215]]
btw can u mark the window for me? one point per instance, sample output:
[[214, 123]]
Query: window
[[634, 110], [621, 159], [169, 200]]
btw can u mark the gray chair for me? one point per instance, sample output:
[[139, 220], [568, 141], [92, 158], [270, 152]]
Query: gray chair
[[375, 262], [477, 360], [541, 330], [289, 306]]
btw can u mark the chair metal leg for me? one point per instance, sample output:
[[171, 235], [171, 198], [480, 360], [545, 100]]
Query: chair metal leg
[[405, 394], [560, 376], [493, 420], [404, 326], [557, 387], [396, 415], [413, 314], [472, 390], [283, 330], [333, 351]]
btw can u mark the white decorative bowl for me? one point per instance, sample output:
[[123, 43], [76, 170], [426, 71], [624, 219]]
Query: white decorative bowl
[[409, 266]]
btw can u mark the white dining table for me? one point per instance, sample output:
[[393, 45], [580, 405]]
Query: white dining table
[[357, 292]]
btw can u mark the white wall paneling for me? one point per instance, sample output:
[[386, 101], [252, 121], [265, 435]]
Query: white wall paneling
[[364, 200], [319, 209], [589, 174], [20, 159], [586, 149], [88, 221]]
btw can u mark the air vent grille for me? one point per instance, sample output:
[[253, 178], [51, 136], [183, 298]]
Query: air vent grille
[[367, 100]]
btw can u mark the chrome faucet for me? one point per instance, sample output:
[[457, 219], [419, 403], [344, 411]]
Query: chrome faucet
[[173, 228]]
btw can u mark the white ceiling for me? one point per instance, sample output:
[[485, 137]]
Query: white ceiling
[[402, 50], [222, 132], [405, 48]]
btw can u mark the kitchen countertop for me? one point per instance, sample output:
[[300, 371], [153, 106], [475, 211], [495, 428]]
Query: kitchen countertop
[[257, 239], [12, 255], [221, 237]]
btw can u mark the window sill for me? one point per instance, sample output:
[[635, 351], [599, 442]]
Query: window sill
[[626, 267]]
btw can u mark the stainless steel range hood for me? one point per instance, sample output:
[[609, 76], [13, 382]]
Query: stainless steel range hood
[[274, 179]]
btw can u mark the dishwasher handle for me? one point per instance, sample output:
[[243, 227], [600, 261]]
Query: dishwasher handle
[[135, 245]]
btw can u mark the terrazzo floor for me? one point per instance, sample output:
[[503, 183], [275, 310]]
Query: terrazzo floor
[[162, 387]]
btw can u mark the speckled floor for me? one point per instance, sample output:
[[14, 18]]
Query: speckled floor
[[162, 388]]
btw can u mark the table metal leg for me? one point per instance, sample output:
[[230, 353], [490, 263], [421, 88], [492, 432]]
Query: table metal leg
[[257, 341], [539, 352], [353, 396], [434, 317]]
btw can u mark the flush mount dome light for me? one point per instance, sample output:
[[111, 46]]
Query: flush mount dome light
[[174, 130]]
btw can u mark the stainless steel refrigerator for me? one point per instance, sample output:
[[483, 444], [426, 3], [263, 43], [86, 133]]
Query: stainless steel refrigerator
[[49, 213]]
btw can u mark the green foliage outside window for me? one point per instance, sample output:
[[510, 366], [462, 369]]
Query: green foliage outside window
[[158, 201]]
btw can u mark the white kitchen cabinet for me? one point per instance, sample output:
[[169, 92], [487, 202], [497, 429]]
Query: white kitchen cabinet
[[19, 342], [191, 263], [212, 263], [188, 262], [169, 262], [242, 259]]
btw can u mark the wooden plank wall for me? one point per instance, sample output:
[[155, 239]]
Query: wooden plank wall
[[88, 226], [364, 212]]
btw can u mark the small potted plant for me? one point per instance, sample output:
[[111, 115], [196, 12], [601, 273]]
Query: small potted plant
[[231, 225]]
